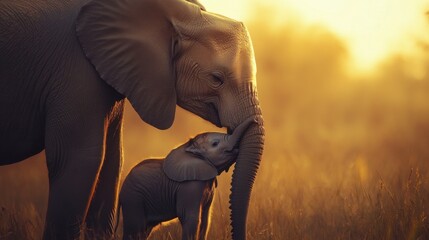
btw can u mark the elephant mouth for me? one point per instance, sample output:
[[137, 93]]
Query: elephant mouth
[[214, 112], [225, 167]]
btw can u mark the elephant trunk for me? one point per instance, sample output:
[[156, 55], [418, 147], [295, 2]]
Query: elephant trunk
[[235, 137], [246, 167]]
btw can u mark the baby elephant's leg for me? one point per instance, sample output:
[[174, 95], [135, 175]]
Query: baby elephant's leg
[[189, 200], [135, 224], [205, 218]]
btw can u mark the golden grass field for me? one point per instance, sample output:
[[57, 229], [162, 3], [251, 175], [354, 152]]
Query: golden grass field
[[346, 154]]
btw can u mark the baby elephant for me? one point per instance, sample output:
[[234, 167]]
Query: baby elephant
[[181, 185]]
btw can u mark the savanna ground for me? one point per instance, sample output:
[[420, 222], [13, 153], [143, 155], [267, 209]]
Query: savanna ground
[[346, 156]]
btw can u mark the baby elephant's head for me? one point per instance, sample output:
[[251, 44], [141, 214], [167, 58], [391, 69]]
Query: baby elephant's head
[[206, 155], [218, 149]]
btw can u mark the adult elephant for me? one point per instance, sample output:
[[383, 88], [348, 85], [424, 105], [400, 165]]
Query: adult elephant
[[65, 68]]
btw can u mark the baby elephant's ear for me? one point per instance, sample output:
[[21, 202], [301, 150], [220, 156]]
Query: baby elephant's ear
[[181, 166]]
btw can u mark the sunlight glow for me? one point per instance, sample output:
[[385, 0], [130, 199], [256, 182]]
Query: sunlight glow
[[372, 29]]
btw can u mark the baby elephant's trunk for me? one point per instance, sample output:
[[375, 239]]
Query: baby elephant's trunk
[[235, 137]]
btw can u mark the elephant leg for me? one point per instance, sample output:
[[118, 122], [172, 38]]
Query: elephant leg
[[134, 220], [74, 154], [205, 219], [190, 226], [189, 199], [101, 213]]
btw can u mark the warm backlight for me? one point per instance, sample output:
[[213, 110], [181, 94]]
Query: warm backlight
[[372, 29]]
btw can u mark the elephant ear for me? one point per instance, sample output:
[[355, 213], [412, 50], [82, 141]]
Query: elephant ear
[[181, 166], [130, 48]]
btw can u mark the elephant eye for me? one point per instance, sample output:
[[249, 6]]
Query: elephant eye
[[217, 79], [215, 143]]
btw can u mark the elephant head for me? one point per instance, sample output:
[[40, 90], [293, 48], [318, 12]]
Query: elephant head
[[162, 53], [204, 156]]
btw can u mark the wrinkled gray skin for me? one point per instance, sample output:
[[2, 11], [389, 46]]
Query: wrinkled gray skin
[[180, 186], [66, 67]]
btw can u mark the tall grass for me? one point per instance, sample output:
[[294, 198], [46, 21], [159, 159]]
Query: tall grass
[[346, 155]]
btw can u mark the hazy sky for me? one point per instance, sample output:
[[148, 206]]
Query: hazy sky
[[372, 29]]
